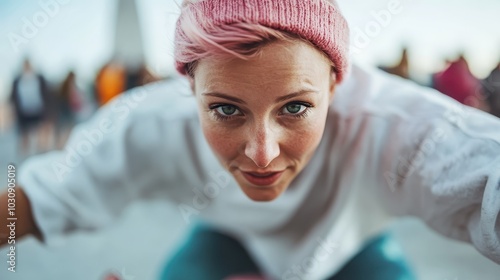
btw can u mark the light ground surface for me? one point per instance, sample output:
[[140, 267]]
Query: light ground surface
[[138, 244]]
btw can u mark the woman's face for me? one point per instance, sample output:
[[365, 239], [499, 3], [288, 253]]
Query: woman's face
[[265, 117]]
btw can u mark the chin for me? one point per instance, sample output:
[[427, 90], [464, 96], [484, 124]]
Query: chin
[[262, 194]]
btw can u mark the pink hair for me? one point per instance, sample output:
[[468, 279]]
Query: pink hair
[[201, 39]]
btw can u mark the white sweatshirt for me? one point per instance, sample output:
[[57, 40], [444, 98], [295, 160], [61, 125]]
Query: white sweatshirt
[[390, 148]]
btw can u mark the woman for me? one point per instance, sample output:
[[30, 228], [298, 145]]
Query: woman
[[290, 164]]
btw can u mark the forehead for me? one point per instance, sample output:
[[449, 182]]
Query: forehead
[[279, 64]]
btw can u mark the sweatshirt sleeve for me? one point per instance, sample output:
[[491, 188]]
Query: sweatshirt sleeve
[[442, 164], [107, 162]]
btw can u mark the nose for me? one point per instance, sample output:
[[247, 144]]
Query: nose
[[262, 145]]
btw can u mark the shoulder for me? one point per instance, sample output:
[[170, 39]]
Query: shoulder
[[378, 94], [370, 94], [157, 115], [388, 113]]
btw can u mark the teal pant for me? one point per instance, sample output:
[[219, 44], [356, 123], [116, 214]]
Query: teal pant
[[209, 255]]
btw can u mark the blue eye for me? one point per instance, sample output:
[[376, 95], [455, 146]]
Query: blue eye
[[294, 109], [227, 110]]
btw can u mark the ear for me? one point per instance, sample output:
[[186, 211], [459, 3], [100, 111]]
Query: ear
[[333, 84]]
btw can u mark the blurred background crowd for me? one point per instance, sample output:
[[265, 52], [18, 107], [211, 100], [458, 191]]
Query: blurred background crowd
[[41, 103], [60, 60]]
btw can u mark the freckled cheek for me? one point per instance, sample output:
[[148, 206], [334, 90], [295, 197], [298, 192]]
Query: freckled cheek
[[224, 142], [303, 142]]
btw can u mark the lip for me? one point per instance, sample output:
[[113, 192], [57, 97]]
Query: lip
[[262, 178]]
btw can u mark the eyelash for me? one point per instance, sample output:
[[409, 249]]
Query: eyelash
[[219, 117]]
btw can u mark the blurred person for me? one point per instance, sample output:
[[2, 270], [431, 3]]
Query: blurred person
[[139, 76], [401, 68], [110, 82], [458, 82], [30, 97], [288, 160], [147, 76], [70, 105], [6, 116], [491, 89]]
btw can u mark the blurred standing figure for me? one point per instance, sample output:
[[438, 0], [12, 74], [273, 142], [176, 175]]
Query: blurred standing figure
[[110, 82], [491, 87], [70, 102], [139, 76], [30, 98], [146, 76], [457, 82]]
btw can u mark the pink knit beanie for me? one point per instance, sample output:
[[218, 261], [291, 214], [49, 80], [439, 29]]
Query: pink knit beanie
[[318, 21]]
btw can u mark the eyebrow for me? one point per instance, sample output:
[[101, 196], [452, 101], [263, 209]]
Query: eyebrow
[[295, 94], [225, 96], [279, 99]]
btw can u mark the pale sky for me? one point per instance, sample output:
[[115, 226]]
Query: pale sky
[[79, 34]]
